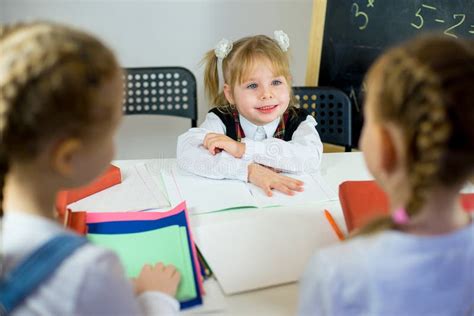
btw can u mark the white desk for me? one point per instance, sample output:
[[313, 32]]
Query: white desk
[[282, 299]]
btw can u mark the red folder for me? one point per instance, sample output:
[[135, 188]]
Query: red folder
[[363, 201], [77, 220]]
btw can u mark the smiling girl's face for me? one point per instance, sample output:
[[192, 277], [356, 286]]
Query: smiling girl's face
[[263, 96]]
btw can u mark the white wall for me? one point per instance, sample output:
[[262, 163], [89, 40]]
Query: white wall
[[171, 33]]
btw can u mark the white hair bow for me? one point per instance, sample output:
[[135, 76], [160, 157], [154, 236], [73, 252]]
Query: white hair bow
[[223, 48], [282, 39]]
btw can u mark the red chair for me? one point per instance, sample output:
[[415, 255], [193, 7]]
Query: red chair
[[363, 201]]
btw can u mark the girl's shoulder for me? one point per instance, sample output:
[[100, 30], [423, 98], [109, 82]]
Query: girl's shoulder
[[224, 113], [222, 109], [90, 271], [294, 117], [294, 112], [386, 250]]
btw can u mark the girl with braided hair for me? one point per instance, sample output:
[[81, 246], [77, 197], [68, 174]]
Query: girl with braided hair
[[418, 142], [60, 105]]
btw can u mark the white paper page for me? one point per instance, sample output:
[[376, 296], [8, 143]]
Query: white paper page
[[205, 195], [155, 167], [324, 185], [131, 195], [171, 188], [314, 192], [339, 167], [269, 247], [151, 181]]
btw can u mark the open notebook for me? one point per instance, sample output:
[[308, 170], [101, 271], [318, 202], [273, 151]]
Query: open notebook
[[204, 195]]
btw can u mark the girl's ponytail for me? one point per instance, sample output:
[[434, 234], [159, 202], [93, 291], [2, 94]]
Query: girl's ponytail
[[211, 77]]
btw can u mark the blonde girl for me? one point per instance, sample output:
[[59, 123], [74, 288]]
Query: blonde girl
[[60, 105], [418, 142], [254, 130]]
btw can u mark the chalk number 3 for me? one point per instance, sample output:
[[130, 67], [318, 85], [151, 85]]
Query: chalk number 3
[[358, 13]]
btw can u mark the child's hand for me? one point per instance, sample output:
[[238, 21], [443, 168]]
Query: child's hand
[[215, 143], [268, 180], [159, 277]]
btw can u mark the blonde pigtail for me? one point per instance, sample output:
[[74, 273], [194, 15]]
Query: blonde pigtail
[[211, 78]]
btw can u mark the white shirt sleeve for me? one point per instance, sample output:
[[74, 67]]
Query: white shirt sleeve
[[302, 154], [106, 291], [193, 157]]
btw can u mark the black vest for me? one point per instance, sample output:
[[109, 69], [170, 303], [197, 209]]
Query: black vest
[[293, 121]]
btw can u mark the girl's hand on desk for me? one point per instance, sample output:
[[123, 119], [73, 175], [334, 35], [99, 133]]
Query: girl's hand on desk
[[159, 278], [215, 143], [267, 180]]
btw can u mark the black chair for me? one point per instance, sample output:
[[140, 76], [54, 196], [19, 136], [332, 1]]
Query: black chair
[[161, 91], [332, 109]]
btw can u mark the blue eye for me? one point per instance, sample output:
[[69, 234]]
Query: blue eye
[[276, 82], [252, 86]]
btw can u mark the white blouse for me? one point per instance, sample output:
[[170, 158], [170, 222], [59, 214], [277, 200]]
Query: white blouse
[[89, 282], [300, 155]]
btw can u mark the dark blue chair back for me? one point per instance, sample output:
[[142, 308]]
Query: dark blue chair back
[[161, 91], [331, 108]]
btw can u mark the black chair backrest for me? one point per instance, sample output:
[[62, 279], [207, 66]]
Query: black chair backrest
[[332, 109], [161, 91]]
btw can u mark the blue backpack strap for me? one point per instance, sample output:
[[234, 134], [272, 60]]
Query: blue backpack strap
[[35, 269]]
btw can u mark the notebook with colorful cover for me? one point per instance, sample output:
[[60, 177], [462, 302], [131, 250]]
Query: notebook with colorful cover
[[139, 238], [144, 232]]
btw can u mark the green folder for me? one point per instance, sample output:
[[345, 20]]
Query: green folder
[[168, 245]]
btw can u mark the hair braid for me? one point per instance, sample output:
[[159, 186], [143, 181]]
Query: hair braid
[[430, 129], [17, 73], [7, 93], [49, 78], [9, 28], [426, 89], [29, 59]]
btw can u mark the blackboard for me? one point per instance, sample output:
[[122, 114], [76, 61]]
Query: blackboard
[[357, 31]]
